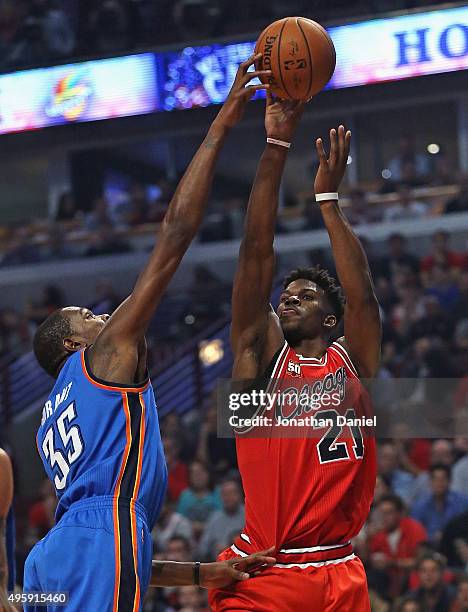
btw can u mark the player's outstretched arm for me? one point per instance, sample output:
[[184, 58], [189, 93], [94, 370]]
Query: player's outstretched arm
[[256, 334], [6, 497], [211, 575], [126, 328], [362, 318]]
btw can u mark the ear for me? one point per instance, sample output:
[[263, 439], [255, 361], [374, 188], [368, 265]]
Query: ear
[[330, 321], [73, 346]]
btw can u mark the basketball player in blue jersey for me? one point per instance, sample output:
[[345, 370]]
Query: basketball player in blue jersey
[[6, 560], [99, 436]]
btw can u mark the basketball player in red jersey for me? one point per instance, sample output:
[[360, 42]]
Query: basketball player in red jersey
[[307, 496]]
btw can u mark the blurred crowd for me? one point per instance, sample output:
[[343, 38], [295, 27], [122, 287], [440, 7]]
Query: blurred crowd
[[42, 32], [414, 185]]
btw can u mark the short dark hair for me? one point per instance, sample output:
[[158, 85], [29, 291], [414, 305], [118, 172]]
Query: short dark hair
[[437, 467], [180, 538], [393, 499], [436, 557], [322, 278], [48, 341]]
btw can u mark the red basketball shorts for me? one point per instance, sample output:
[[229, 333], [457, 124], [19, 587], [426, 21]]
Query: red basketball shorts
[[339, 587]]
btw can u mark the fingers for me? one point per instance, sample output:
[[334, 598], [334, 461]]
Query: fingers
[[320, 151], [248, 62], [238, 576], [347, 144], [255, 74], [266, 553], [255, 562], [341, 144], [269, 98], [333, 147], [251, 89]]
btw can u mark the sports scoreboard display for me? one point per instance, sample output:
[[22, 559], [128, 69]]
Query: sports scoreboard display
[[87, 91], [368, 52]]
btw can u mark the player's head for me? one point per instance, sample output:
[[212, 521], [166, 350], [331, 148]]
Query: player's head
[[391, 510], [64, 332], [311, 304]]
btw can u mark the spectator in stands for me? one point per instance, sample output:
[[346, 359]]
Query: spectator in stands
[[442, 170], [172, 426], [454, 541], [397, 260], [435, 509], [219, 453], [459, 203], [406, 156], [15, 338], [138, 209], [409, 309], [52, 299], [42, 513], [460, 475], [434, 322], [460, 603], [100, 216], [66, 208], [441, 255], [56, 248], [401, 481], [460, 355], [433, 594], [393, 548], [11, 13], [57, 32], [460, 308], [199, 500], [21, 248], [192, 599], [359, 212], [170, 525], [177, 470], [178, 549], [107, 299], [441, 285], [409, 604], [422, 454], [223, 523], [407, 207], [108, 26], [107, 242]]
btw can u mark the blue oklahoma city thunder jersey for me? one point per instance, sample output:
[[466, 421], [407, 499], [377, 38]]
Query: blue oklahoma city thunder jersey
[[102, 439]]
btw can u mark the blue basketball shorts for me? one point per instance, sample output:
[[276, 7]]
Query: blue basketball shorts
[[99, 553]]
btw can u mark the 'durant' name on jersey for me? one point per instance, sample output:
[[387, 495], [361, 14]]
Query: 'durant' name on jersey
[[50, 408]]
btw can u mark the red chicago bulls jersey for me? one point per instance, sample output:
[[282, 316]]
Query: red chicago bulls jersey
[[309, 494]]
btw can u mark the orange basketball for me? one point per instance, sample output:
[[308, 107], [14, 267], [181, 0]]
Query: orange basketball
[[300, 55]]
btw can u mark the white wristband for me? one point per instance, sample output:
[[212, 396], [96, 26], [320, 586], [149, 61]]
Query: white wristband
[[324, 197], [281, 143]]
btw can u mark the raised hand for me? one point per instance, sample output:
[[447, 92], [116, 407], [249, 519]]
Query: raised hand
[[241, 92], [331, 170], [282, 117]]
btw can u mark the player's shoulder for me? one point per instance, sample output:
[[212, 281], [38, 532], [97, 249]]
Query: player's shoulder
[[340, 349]]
